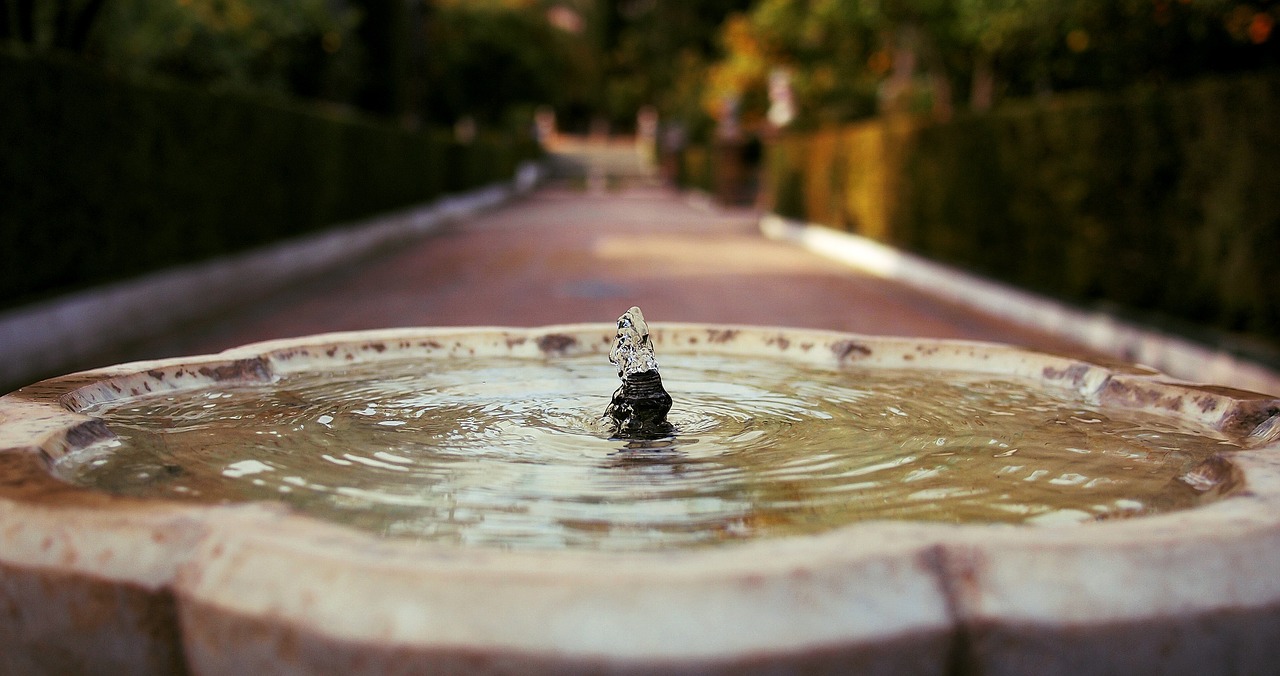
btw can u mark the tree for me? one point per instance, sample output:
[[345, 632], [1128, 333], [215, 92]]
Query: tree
[[62, 24], [384, 33], [655, 50], [935, 54], [832, 50], [302, 48]]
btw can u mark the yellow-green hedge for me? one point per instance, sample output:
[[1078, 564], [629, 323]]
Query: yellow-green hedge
[[1163, 201]]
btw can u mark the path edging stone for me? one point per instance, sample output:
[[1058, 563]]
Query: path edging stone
[[46, 338], [1099, 331]]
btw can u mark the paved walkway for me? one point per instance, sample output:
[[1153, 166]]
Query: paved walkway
[[562, 256]]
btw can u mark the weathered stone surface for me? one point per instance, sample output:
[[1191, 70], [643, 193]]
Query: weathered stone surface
[[94, 583]]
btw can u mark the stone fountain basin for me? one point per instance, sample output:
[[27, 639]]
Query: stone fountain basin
[[91, 582]]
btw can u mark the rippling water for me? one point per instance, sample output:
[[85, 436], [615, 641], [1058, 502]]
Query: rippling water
[[512, 453]]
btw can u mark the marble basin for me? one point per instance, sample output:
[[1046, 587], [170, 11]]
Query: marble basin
[[92, 582]]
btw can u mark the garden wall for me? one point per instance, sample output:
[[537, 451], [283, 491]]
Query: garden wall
[[1164, 201], [103, 179]]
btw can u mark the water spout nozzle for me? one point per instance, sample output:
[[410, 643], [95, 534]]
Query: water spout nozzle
[[639, 407]]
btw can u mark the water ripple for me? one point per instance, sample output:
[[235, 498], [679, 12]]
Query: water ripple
[[513, 453]]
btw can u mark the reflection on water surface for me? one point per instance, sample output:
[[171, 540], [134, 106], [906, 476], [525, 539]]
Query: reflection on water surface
[[512, 453]]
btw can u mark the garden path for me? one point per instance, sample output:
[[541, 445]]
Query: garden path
[[564, 255]]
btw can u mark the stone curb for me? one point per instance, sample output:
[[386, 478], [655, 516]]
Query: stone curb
[[1178, 357], [50, 337]]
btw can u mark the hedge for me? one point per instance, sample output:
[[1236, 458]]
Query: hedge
[[1162, 201], [103, 179]]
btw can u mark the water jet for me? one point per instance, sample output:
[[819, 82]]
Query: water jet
[[638, 410]]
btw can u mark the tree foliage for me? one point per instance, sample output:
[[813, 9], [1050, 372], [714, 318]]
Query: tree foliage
[[829, 49], [60, 24], [299, 47], [656, 52], [296, 47], [850, 58], [494, 60]]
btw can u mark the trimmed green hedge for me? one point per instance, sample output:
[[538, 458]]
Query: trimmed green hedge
[[103, 179], [1164, 201]]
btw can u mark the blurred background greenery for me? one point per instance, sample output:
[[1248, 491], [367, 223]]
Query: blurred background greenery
[[1114, 151], [416, 61], [436, 60]]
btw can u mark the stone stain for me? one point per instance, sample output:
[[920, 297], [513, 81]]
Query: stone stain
[[86, 434], [1120, 391], [849, 349], [1207, 403], [721, 335], [255, 369], [556, 343], [1075, 373]]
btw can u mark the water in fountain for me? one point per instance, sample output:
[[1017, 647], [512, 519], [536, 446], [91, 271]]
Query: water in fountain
[[513, 452]]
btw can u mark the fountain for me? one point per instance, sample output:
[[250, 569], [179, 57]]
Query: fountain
[[639, 408], [455, 500]]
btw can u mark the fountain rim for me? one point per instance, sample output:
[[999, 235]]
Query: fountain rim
[[1127, 386], [959, 573]]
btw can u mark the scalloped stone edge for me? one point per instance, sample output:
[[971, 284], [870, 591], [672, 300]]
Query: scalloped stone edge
[[97, 582]]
